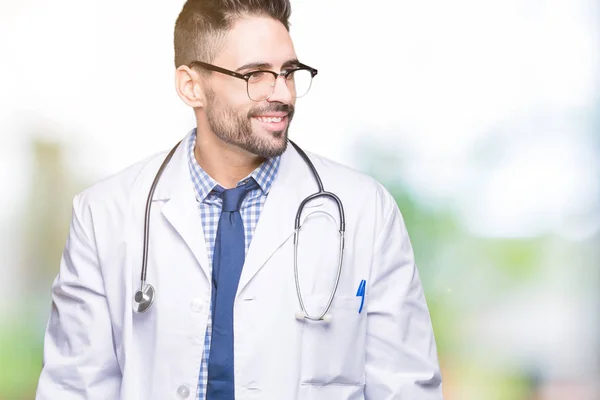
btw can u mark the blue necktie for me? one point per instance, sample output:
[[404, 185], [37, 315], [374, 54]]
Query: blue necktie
[[228, 260]]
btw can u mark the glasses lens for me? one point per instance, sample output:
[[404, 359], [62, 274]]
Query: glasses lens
[[299, 82], [261, 84]]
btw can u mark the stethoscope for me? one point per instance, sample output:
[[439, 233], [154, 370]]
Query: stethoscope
[[144, 297]]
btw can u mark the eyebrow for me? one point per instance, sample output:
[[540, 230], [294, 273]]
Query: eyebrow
[[291, 63], [265, 65], [255, 65]]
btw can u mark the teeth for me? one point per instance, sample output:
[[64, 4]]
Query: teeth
[[270, 119]]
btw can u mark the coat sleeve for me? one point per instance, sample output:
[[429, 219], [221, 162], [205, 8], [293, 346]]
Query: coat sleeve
[[401, 359], [79, 357]]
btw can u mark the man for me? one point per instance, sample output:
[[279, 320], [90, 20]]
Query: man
[[233, 311]]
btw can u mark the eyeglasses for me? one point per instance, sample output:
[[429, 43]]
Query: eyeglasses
[[261, 83]]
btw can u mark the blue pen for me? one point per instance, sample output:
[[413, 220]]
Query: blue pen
[[361, 292]]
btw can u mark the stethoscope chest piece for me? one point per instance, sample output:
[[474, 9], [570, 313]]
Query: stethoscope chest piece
[[143, 299]]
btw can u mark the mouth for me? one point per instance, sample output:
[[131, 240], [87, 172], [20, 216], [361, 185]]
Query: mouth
[[273, 122]]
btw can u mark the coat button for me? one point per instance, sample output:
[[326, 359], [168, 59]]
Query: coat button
[[183, 391], [196, 305]]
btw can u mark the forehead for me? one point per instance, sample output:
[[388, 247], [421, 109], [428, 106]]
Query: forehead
[[256, 39]]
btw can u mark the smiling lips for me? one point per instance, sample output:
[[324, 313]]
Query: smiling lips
[[273, 121], [270, 119]]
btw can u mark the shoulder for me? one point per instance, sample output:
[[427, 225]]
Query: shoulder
[[350, 180], [367, 203]]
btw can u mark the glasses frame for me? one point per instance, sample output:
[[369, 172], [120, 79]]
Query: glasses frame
[[246, 77]]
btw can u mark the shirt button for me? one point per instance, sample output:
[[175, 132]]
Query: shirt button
[[183, 391], [196, 305]]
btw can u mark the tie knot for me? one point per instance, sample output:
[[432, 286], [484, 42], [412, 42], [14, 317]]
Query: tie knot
[[233, 198]]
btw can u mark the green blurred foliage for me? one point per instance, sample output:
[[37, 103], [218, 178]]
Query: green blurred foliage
[[446, 252], [21, 350]]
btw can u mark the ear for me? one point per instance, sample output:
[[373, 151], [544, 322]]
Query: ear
[[188, 84]]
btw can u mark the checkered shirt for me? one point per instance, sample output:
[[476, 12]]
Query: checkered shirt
[[210, 204]]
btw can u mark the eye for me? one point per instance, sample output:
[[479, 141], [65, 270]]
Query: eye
[[289, 74], [257, 76]]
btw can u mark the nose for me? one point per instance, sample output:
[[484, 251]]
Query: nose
[[281, 92]]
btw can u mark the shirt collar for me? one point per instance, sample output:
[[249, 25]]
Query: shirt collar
[[264, 175]]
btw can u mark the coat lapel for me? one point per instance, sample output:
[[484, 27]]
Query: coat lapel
[[276, 222], [180, 206]]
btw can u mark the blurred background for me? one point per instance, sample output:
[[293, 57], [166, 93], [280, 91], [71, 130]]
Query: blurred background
[[481, 116]]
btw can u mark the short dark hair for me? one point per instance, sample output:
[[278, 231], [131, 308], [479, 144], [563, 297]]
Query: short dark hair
[[202, 25]]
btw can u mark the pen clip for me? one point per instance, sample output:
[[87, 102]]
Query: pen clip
[[361, 292]]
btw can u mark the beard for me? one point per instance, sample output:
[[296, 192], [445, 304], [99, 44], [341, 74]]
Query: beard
[[236, 128]]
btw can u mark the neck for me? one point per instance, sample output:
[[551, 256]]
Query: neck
[[224, 162]]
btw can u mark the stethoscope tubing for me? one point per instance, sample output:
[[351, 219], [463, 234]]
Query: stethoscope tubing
[[147, 214], [342, 229], [144, 297]]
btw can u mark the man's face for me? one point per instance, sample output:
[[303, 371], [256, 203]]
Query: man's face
[[259, 127]]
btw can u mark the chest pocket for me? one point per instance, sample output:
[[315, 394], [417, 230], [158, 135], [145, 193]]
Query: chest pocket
[[333, 353]]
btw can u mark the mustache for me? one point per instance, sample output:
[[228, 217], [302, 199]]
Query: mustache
[[286, 108]]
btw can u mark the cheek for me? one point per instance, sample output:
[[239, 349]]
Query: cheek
[[236, 106], [234, 94]]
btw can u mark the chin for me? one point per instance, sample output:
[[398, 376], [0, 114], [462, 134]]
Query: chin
[[279, 135], [271, 147]]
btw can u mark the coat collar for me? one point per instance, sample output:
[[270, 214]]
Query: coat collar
[[176, 192]]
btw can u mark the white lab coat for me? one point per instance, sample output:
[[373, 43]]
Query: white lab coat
[[96, 347]]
